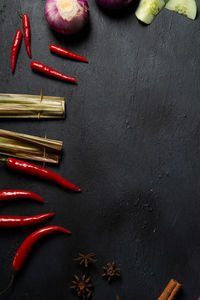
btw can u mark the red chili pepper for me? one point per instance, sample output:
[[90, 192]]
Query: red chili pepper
[[27, 34], [25, 248], [37, 66], [66, 53], [15, 49], [15, 194], [27, 168], [19, 221]]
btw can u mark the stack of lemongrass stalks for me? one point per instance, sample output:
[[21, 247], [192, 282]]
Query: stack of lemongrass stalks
[[29, 147], [30, 106]]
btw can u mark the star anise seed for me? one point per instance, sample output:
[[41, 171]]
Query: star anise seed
[[82, 286], [110, 271], [86, 259]]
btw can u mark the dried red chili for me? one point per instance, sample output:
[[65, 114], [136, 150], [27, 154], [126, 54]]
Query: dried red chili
[[16, 194], [27, 168], [27, 33], [26, 247], [15, 49], [37, 66], [66, 53], [19, 221]]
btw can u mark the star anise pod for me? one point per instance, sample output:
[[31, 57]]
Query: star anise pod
[[86, 259], [110, 271], [82, 286]]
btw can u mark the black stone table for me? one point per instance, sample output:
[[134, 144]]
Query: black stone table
[[131, 141]]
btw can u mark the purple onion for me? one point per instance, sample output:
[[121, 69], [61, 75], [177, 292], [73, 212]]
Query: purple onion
[[66, 16], [113, 4]]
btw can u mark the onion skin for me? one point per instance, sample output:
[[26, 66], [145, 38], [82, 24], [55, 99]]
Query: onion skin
[[60, 25], [113, 4]]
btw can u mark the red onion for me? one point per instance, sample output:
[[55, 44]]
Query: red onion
[[113, 4], [66, 16]]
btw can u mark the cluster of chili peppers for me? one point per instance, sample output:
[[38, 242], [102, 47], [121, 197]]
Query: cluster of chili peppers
[[22, 221], [37, 66], [31, 169]]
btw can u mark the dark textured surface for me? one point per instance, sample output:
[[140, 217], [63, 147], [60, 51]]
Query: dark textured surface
[[131, 140]]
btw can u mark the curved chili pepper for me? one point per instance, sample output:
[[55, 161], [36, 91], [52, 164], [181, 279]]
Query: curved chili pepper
[[27, 168], [19, 221], [27, 34], [15, 194], [15, 49], [37, 66], [26, 247], [66, 53]]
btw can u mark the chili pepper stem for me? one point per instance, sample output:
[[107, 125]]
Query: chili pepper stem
[[4, 160], [10, 283]]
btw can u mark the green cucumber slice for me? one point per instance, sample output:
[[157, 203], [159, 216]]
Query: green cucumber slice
[[188, 8], [148, 10]]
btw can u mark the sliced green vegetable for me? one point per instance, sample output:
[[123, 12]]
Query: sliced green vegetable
[[188, 8], [148, 10]]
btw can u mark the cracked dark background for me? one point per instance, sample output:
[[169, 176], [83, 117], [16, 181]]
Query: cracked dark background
[[131, 141]]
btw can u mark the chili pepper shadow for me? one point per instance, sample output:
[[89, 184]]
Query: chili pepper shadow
[[121, 13], [9, 232], [20, 202], [23, 232], [74, 39]]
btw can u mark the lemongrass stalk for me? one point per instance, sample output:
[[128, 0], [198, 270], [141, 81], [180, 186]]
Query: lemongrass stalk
[[29, 147], [31, 106]]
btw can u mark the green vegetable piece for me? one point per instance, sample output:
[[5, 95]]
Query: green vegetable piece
[[188, 8], [148, 10]]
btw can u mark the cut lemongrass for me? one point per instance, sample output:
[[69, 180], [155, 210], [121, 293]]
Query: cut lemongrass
[[148, 10], [29, 147], [31, 106], [188, 8]]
